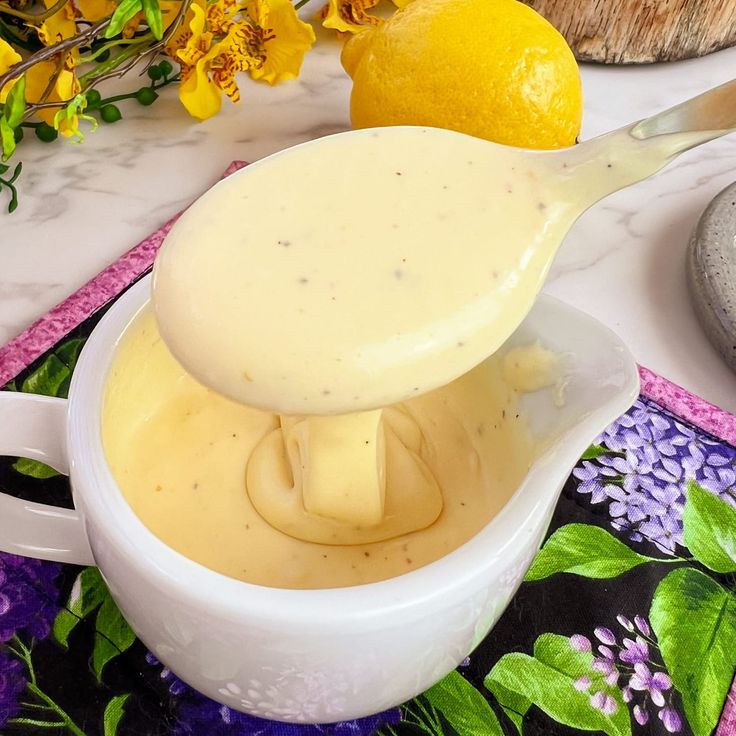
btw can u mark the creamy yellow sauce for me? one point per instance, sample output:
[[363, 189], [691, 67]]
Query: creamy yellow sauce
[[355, 271], [361, 269], [332, 490], [180, 453]]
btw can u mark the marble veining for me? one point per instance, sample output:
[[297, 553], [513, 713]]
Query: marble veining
[[83, 206]]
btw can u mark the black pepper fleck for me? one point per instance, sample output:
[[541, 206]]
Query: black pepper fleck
[[303, 280], [285, 243], [398, 274]]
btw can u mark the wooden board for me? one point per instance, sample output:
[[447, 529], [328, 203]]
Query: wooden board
[[641, 31]]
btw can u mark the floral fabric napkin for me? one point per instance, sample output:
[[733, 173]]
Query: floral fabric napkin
[[625, 624]]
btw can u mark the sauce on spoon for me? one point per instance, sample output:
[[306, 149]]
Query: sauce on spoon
[[364, 268]]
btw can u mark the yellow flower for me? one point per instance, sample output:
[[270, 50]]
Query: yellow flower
[[352, 16], [282, 37], [8, 57], [95, 10], [348, 16], [59, 26], [209, 62], [65, 87], [169, 11], [221, 38]]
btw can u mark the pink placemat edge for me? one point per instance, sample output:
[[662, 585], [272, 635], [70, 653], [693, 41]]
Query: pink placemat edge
[[688, 406]]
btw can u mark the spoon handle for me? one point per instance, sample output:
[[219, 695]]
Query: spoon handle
[[630, 154], [711, 114]]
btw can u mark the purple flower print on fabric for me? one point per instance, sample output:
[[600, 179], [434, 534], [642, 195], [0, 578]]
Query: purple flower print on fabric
[[28, 596], [197, 715], [12, 684], [644, 477], [629, 665], [593, 480]]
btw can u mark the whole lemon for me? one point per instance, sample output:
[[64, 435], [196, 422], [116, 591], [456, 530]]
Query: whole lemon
[[494, 69]]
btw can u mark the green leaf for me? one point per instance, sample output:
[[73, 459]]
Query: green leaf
[[114, 714], [710, 529], [15, 103], [423, 716], [123, 13], [71, 115], [34, 469], [114, 636], [555, 650], [595, 451], [584, 550], [463, 707], [68, 352], [694, 619], [152, 11], [7, 138], [52, 377], [48, 378], [514, 704], [88, 592], [550, 686]]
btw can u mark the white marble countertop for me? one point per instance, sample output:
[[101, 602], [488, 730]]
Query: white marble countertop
[[623, 262]]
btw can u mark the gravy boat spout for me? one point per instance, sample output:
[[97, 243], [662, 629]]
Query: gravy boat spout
[[599, 381]]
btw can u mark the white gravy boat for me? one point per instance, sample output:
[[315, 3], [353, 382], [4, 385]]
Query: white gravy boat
[[305, 655]]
